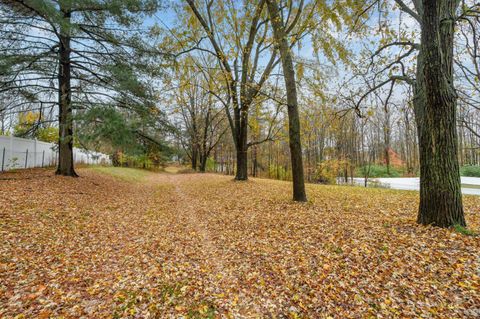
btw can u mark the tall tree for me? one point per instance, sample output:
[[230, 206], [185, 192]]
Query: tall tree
[[79, 51], [440, 193], [244, 76], [201, 116], [280, 33], [65, 110], [434, 102]]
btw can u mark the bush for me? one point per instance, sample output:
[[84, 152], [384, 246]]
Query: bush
[[328, 171], [470, 171], [378, 171], [279, 172], [210, 167]]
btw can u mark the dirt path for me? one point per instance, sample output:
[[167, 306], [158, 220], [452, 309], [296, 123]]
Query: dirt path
[[191, 209], [208, 257]]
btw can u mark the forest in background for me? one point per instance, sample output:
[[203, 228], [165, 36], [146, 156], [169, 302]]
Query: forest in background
[[336, 141]]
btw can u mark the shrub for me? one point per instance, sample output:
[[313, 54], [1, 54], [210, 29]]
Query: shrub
[[470, 171], [328, 171], [278, 172], [210, 167]]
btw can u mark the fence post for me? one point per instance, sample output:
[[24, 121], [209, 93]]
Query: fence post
[[11, 151], [3, 158], [43, 157], [26, 158], [35, 153]]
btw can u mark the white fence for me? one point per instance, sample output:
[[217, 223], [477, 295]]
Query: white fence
[[18, 152]]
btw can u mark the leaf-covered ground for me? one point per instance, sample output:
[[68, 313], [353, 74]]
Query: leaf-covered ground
[[138, 245]]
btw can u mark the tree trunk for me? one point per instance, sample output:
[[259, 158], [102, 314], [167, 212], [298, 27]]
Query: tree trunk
[[293, 114], [65, 145], [435, 107], [203, 163], [116, 158], [241, 149], [194, 157], [242, 165], [254, 161], [386, 137]]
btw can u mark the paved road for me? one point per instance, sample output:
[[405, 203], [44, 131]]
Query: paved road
[[413, 183]]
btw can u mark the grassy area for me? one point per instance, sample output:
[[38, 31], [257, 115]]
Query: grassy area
[[471, 186], [377, 171], [464, 231], [470, 171], [177, 169], [172, 169], [127, 174]]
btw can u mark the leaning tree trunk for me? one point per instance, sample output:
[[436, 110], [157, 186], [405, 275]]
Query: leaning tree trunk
[[65, 144], [292, 103], [435, 108]]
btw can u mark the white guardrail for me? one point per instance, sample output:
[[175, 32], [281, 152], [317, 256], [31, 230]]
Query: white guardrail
[[16, 152]]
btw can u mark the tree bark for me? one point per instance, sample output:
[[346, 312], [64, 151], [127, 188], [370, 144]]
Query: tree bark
[[242, 165], [241, 147], [254, 161], [203, 163], [386, 137], [435, 108], [292, 102], [194, 156], [65, 144]]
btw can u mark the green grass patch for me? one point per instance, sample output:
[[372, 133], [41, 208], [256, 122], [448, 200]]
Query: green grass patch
[[470, 171], [124, 173], [204, 310], [470, 186], [378, 171], [464, 231]]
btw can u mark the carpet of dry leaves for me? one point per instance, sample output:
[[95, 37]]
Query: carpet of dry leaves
[[204, 246]]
